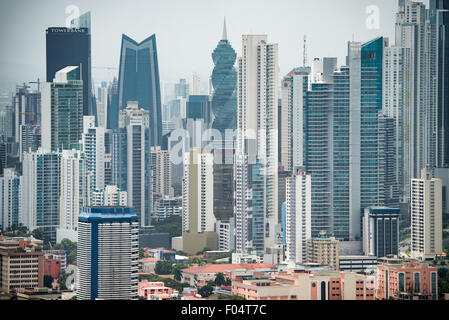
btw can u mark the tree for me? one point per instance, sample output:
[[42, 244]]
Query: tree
[[70, 248], [163, 267], [177, 273], [48, 280], [38, 233], [206, 291], [141, 253], [219, 279]]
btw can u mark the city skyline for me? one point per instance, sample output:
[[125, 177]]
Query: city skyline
[[195, 40]]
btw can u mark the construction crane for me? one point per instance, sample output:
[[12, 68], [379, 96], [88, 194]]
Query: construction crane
[[38, 82]]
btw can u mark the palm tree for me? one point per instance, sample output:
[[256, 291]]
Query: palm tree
[[219, 279]]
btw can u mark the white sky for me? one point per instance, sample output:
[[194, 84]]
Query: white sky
[[186, 31]]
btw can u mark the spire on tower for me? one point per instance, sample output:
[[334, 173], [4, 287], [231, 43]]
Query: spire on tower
[[225, 35]]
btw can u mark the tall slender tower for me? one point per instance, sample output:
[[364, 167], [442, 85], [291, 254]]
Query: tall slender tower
[[257, 133], [224, 80], [139, 81]]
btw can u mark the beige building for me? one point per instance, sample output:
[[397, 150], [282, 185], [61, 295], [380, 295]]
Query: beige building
[[427, 216], [323, 250], [21, 264], [198, 220]]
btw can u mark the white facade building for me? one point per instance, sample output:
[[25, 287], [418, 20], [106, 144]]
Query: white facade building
[[94, 150], [298, 217], [426, 216], [257, 121], [110, 196]]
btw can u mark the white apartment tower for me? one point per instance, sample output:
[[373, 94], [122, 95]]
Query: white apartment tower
[[94, 150], [73, 188], [110, 196], [426, 216], [298, 216], [257, 118]]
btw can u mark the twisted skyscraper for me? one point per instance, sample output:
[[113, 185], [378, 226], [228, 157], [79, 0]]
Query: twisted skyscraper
[[224, 79]]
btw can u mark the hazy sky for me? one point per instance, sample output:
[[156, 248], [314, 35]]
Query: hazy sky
[[186, 31]]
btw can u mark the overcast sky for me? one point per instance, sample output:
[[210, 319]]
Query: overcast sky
[[186, 31]]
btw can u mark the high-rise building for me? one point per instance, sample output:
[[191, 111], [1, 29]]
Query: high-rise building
[[198, 220], [396, 104], [367, 161], [224, 81], [30, 138], [160, 172], [195, 89], [257, 131], [94, 151], [182, 89], [73, 191], [136, 123], [27, 109], [40, 191], [223, 169], [110, 196], [108, 253], [112, 102], [426, 216], [292, 124], [62, 110], [199, 107], [381, 231], [139, 81], [298, 213], [324, 145], [119, 158], [9, 199], [71, 47]]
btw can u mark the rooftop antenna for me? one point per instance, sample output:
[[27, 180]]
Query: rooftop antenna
[[225, 34], [304, 61]]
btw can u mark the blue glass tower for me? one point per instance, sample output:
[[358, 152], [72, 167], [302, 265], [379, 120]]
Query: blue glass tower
[[198, 107], [139, 81], [224, 80]]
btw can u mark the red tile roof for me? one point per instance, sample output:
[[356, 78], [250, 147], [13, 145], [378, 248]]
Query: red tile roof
[[216, 268], [149, 260]]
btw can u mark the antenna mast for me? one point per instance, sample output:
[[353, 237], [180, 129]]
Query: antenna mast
[[304, 62]]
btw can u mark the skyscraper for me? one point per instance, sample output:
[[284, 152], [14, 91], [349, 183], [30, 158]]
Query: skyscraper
[[71, 47], [426, 216], [198, 220], [136, 123], [9, 199], [139, 81], [298, 228], [199, 107], [160, 172], [257, 127], [40, 192], [62, 110], [224, 80], [108, 242], [73, 192], [94, 151], [292, 125]]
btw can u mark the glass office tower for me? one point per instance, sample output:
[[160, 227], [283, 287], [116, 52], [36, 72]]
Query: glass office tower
[[224, 80], [71, 47], [139, 81]]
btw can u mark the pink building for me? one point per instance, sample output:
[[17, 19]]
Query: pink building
[[307, 286], [155, 291], [410, 280], [198, 276]]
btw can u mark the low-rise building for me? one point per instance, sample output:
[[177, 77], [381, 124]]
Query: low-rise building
[[21, 264], [52, 265], [156, 291], [147, 265], [335, 285], [357, 263], [410, 280], [198, 276], [323, 250]]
